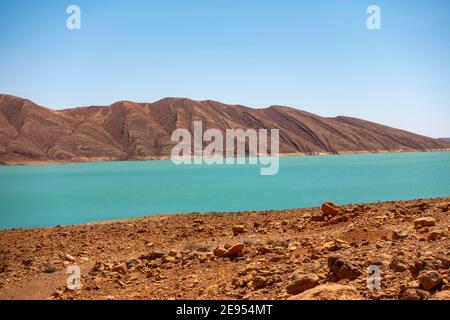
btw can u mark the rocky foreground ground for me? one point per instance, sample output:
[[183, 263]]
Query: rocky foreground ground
[[317, 253]]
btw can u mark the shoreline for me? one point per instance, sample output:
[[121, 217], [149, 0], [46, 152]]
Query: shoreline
[[107, 159], [183, 256], [158, 216]]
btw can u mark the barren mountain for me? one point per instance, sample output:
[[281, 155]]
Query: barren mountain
[[129, 130]]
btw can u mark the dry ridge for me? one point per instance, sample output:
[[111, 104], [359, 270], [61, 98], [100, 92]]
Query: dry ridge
[[129, 130]]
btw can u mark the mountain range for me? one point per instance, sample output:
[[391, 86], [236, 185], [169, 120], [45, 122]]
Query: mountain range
[[128, 130]]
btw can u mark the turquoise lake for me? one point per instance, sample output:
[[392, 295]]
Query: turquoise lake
[[41, 196]]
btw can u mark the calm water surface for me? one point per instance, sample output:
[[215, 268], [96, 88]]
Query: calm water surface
[[39, 196]]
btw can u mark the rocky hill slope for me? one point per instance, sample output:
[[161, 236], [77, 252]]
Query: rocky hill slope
[[129, 130]]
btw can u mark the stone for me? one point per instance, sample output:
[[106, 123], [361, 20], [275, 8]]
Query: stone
[[27, 262], [58, 294], [444, 207], [425, 263], [219, 251], [3, 268], [152, 255], [329, 292], [69, 258], [279, 257], [381, 260], [341, 243], [424, 222], [415, 294], [168, 259], [243, 282], [263, 249], [329, 246], [97, 283], [120, 268], [259, 282], [335, 245], [399, 264], [337, 219], [430, 279], [329, 209], [399, 234], [342, 268], [262, 231], [203, 257], [120, 283], [173, 253], [317, 217], [233, 251], [441, 295], [435, 235], [98, 267], [411, 285], [302, 283], [238, 229], [48, 269], [277, 278]]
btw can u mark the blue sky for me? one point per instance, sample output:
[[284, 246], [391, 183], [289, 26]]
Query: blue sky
[[309, 54]]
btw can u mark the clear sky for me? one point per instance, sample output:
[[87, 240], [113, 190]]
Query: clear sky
[[315, 55]]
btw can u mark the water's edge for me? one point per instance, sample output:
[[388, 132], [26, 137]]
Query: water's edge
[[45, 196], [162, 158], [206, 214]]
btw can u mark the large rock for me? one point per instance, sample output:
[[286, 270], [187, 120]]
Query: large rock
[[302, 283], [424, 222], [430, 279], [415, 294], [330, 209], [342, 268], [233, 251], [426, 263], [435, 235], [259, 282], [329, 292], [237, 229]]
